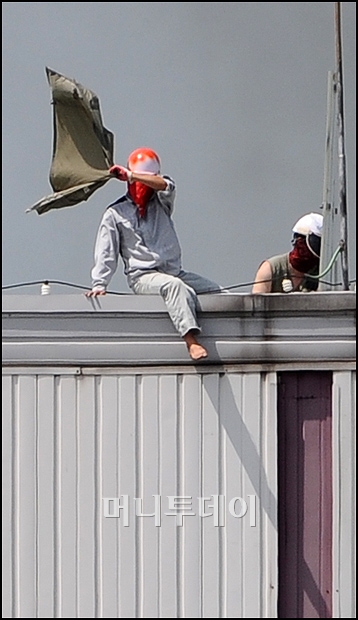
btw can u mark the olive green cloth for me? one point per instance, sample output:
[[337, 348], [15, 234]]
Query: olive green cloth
[[82, 146]]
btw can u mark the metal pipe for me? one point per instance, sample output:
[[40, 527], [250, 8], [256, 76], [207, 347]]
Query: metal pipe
[[327, 204], [341, 148]]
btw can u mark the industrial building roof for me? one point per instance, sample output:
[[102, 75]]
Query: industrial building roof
[[296, 329]]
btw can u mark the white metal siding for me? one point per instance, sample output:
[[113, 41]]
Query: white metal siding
[[344, 493], [71, 440]]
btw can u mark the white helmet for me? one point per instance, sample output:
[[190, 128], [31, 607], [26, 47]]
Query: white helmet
[[310, 223], [310, 226]]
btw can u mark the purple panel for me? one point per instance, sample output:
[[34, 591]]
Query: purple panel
[[305, 494]]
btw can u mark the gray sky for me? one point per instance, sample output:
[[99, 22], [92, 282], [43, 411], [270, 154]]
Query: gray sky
[[233, 97]]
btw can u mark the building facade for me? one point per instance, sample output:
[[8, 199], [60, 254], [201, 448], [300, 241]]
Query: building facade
[[137, 483]]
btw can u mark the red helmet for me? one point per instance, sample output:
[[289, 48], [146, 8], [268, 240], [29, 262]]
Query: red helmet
[[144, 160]]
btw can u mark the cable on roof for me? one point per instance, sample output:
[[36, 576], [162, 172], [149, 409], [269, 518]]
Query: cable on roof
[[220, 290]]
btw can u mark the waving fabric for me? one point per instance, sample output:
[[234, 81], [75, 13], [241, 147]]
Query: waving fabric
[[82, 146]]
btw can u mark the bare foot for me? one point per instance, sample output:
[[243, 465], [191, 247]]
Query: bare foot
[[196, 350]]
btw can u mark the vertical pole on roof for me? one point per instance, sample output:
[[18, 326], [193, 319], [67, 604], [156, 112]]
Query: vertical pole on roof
[[329, 210], [341, 148]]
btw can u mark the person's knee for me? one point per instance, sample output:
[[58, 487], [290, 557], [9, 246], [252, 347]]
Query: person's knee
[[171, 287], [176, 288]]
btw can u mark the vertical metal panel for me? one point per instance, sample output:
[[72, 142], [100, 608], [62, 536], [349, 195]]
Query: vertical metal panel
[[67, 498], [252, 476], [148, 479], [87, 495], [71, 441], [27, 489], [79, 439], [8, 541], [268, 496], [46, 510], [344, 490], [305, 494], [189, 487], [211, 535], [168, 455], [128, 579], [108, 409], [231, 442]]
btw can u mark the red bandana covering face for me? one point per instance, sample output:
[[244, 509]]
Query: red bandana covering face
[[142, 160], [140, 194], [301, 258]]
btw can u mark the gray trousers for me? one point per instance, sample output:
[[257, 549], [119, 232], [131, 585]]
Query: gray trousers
[[179, 293]]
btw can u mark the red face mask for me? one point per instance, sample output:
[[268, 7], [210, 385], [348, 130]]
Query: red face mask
[[301, 258], [143, 160], [140, 194]]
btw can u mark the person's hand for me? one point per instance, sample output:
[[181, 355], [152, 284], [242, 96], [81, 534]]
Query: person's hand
[[121, 173], [95, 292]]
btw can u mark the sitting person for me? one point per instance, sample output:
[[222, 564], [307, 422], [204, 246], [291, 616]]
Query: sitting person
[[288, 272], [139, 228]]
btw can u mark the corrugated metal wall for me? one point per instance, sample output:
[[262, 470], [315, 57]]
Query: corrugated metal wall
[[305, 494], [70, 441], [344, 495]]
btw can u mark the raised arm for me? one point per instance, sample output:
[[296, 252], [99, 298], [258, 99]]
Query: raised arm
[[155, 181]]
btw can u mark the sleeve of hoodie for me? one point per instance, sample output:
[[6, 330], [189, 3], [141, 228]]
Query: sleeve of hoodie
[[106, 252], [166, 196]]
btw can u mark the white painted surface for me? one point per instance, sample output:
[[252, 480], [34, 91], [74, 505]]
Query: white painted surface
[[72, 440], [344, 493], [86, 427]]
